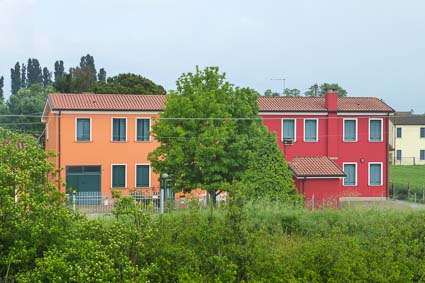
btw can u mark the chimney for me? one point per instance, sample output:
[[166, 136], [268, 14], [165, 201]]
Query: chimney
[[331, 99]]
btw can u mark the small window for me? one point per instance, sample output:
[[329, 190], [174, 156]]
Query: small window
[[142, 176], [422, 154], [288, 129], [83, 129], [422, 132], [375, 174], [142, 131], [119, 129], [398, 154], [375, 130], [399, 132], [350, 169], [118, 176], [350, 130], [310, 130]]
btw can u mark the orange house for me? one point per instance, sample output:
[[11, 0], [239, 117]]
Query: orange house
[[102, 140]]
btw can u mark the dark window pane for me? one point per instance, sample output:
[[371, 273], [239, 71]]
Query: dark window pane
[[119, 129], [143, 126], [399, 132]]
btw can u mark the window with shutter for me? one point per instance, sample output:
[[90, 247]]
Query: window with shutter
[[310, 130], [350, 130], [83, 129], [142, 176]]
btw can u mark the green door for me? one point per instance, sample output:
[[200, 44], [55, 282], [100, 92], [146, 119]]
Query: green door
[[85, 180]]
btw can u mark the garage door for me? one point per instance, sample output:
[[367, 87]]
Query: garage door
[[85, 180]]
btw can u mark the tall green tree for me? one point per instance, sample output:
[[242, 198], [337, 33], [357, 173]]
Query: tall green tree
[[23, 76], [59, 70], [34, 72], [47, 77], [128, 84], [15, 78], [101, 77], [316, 90], [88, 68], [207, 132], [1, 90]]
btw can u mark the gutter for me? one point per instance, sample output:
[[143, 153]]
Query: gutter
[[387, 155], [59, 149]]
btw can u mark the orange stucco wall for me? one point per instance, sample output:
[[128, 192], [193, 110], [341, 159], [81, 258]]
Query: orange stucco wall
[[101, 150]]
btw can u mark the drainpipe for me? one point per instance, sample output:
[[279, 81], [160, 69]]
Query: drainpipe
[[387, 152], [59, 149]]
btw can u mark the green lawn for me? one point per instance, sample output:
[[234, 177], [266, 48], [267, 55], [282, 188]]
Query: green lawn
[[412, 175]]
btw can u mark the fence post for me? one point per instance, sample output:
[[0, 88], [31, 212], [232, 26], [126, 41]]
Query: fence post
[[74, 201], [161, 200]]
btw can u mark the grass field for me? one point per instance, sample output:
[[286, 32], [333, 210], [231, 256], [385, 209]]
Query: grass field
[[412, 175]]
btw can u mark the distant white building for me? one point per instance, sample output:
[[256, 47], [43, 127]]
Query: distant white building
[[407, 132]]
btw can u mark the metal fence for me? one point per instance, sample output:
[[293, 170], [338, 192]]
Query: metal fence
[[95, 202], [407, 192]]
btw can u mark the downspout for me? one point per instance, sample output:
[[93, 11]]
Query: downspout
[[387, 153], [59, 150]]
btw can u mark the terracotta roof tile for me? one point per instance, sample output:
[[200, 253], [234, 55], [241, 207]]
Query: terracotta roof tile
[[317, 104], [315, 166], [96, 102]]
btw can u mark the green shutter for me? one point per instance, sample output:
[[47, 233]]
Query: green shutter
[[375, 130], [289, 129], [118, 176], [349, 130], [119, 129], [83, 129], [142, 176], [143, 126], [310, 130], [350, 171], [375, 174]]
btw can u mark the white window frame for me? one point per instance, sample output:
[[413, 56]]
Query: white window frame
[[382, 176], [343, 129], [150, 128], [112, 129], [295, 128], [355, 174], [135, 175], [76, 126], [112, 175], [317, 129], [382, 128]]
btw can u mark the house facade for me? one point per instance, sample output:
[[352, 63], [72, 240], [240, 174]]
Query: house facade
[[407, 140], [336, 147], [102, 141]]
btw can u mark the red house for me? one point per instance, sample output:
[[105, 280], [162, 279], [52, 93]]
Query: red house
[[336, 147]]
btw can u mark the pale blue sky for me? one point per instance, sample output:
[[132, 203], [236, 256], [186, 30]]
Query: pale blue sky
[[371, 48]]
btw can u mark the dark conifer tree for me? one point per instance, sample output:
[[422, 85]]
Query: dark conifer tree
[[34, 73], [59, 70], [47, 76], [1, 89], [15, 77], [87, 66], [23, 76], [101, 77]]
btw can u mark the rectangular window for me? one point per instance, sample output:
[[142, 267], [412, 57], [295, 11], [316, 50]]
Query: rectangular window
[[398, 154], [310, 130], [422, 132], [142, 176], [422, 154], [119, 176], [142, 129], [288, 129], [399, 131], [119, 129], [350, 130], [375, 174], [375, 130], [83, 129], [350, 169]]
